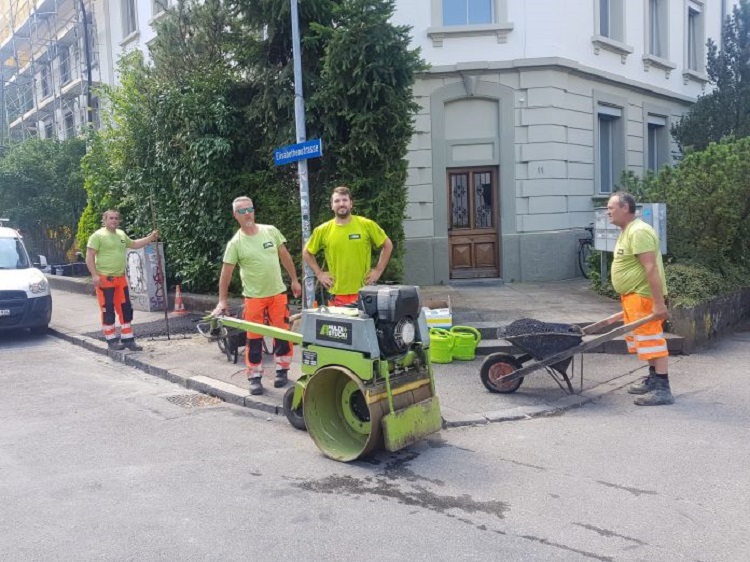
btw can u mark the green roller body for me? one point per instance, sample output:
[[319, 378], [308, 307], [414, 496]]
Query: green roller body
[[363, 386]]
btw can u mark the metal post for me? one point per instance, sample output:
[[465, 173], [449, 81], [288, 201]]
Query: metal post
[[299, 122]]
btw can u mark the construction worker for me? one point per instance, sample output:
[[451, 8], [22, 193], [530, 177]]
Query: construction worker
[[105, 260], [347, 242], [259, 249], [638, 276]]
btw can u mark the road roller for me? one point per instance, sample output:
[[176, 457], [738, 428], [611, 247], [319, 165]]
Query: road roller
[[367, 381]]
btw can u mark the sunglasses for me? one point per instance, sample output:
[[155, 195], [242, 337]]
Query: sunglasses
[[245, 211]]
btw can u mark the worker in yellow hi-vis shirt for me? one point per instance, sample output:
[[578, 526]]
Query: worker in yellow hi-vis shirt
[[347, 242], [105, 259], [638, 276]]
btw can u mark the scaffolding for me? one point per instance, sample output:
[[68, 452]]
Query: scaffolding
[[48, 70]]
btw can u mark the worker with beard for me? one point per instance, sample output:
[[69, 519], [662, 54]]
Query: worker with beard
[[347, 242], [259, 250]]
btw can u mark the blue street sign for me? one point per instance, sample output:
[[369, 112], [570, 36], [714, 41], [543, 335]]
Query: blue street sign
[[301, 151]]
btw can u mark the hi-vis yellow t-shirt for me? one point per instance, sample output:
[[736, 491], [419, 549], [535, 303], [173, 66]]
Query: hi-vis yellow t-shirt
[[258, 258], [628, 275], [110, 251], [348, 251]]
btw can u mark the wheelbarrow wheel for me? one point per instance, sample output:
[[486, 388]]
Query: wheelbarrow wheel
[[295, 416], [494, 368]]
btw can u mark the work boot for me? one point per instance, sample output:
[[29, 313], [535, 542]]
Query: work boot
[[281, 378], [256, 386], [643, 385], [130, 345], [659, 395], [115, 345]]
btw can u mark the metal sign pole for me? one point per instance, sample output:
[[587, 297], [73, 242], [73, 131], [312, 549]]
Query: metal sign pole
[[299, 121]]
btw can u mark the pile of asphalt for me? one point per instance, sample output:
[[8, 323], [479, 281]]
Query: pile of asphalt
[[528, 326]]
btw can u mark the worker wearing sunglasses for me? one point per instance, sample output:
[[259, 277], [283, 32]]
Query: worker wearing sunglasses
[[260, 251]]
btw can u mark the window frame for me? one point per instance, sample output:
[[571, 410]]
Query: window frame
[[695, 48], [49, 129], [500, 26], [657, 118], [70, 132], [613, 111], [129, 14], [613, 38], [657, 28], [64, 66], [45, 82]]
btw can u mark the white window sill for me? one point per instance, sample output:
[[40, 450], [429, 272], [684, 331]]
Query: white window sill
[[438, 34], [658, 62], [130, 38], [695, 76], [157, 17], [601, 42]]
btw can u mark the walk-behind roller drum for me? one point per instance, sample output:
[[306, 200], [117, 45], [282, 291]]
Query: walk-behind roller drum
[[338, 417], [367, 380], [367, 376]]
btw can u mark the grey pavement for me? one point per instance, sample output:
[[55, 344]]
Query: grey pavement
[[189, 359]]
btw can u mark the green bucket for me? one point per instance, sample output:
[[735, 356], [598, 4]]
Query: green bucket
[[441, 345], [465, 340]]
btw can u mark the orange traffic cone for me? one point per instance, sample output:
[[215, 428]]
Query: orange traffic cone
[[179, 308]]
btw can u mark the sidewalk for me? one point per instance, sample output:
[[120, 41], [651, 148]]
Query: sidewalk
[[191, 360]]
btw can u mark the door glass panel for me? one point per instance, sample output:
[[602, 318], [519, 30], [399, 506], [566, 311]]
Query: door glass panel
[[459, 200], [483, 200]]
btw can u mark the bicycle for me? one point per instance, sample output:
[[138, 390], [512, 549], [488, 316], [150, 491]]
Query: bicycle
[[585, 247]]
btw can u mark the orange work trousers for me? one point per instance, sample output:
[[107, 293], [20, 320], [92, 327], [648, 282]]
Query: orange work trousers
[[273, 311], [647, 340], [113, 295], [343, 300]]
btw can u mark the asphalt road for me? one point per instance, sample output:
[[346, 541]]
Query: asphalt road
[[99, 461]]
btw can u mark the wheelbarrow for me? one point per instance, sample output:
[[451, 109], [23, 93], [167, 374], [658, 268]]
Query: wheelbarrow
[[549, 347]]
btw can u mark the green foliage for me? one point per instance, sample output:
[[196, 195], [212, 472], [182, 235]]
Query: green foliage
[[690, 284], [365, 103], [708, 206], [708, 220], [41, 191], [645, 189], [197, 127], [725, 111]]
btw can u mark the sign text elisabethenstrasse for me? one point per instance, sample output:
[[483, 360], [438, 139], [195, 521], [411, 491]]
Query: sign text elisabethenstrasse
[[301, 151]]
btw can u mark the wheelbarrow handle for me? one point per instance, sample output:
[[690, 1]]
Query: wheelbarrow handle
[[597, 326]]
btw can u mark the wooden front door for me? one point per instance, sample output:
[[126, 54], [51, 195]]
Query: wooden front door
[[473, 223]]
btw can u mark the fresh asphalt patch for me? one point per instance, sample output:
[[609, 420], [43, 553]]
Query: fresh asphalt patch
[[178, 326]]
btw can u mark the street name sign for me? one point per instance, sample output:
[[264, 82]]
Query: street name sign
[[300, 151]]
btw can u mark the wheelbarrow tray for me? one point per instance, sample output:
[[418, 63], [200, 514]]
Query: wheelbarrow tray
[[543, 339], [547, 343]]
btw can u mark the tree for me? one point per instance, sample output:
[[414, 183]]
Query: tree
[[41, 191], [198, 126], [725, 111]]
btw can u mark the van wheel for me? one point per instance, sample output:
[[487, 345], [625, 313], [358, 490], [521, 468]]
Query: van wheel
[[39, 330]]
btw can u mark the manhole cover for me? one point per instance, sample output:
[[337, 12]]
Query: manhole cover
[[193, 400]]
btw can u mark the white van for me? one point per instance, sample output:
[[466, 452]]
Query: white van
[[25, 300]]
